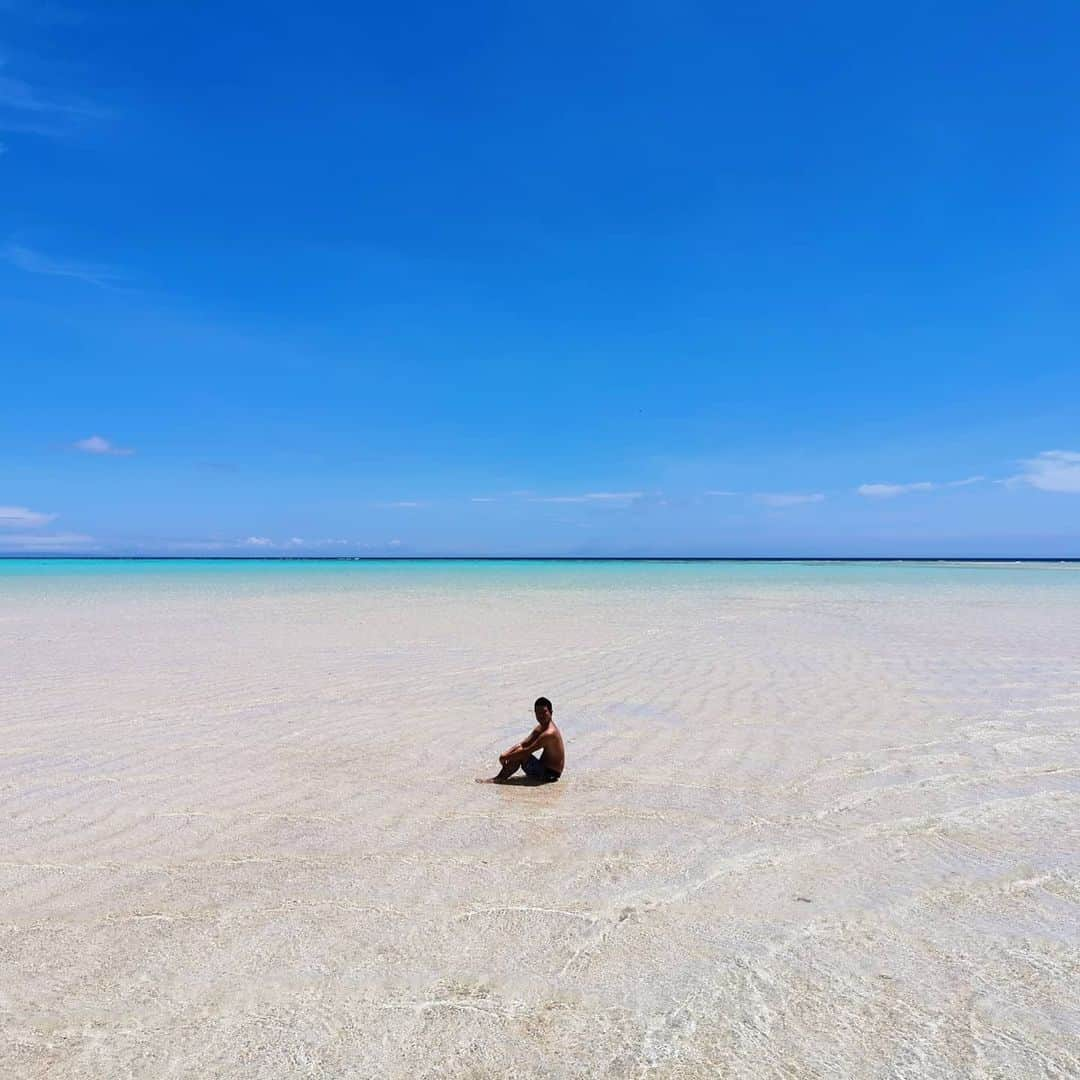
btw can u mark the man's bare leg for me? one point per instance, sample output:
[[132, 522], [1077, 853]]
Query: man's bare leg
[[510, 766]]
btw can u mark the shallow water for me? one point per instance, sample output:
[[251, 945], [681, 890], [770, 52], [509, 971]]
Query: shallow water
[[817, 820]]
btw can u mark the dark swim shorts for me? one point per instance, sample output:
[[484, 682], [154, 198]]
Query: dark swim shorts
[[532, 768]]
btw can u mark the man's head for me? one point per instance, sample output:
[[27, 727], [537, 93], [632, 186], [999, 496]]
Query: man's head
[[543, 710]]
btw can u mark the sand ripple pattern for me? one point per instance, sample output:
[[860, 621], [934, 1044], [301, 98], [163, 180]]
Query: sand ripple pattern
[[809, 829]]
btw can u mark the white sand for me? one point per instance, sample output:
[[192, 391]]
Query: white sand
[[807, 828]]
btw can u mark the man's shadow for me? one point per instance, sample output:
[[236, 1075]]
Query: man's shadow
[[524, 781]]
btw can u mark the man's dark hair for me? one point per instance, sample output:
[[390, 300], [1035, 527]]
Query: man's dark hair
[[544, 702]]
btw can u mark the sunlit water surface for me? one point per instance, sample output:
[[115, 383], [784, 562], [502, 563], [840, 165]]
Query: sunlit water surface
[[817, 820]]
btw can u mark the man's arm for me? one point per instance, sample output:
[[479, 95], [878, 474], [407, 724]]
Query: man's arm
[[534, 741], [527, 744]]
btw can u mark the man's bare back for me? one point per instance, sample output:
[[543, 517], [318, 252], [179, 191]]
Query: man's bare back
[[546, 738]]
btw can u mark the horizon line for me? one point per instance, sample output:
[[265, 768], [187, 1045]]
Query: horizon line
[[52, 557]]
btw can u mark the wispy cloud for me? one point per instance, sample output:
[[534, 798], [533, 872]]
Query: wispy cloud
[[51, 542], [1052, 470], [482, 498], [592, 496], [721, 493], [36, 262], [21, 517], [891, 491], [95, 444], [300, 542], [27, 109], [781, 499], [401, 504], [268, 544]]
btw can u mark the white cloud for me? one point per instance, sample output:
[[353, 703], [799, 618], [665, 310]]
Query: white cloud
[[34, 262], [592, 496], [217, 545], [20, 517], [95, 444], [721, 493], [1052, 470], [891, 491], [481, 498], [261, 542], [778, 499], [53, 542], [295, 544], [299, 541], [401, 504]]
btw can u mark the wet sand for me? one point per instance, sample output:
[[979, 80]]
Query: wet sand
[[812, 825]]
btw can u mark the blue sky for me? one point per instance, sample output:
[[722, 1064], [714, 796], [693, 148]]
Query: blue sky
[[631, 278]]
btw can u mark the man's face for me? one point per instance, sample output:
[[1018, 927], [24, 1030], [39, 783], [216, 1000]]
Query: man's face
[[543, 714]]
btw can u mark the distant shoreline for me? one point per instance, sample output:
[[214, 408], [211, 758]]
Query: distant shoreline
[[799, 559]]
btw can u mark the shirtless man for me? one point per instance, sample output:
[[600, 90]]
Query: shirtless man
[[545, 737]]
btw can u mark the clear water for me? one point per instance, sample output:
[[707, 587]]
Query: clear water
[[818, 819], [349, 573]]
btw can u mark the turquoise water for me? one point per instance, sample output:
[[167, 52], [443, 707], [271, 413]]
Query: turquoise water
[[348, 573]]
